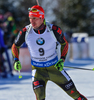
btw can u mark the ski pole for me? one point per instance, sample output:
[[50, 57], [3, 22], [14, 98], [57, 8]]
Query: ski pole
[[19, 74], [79, 68]]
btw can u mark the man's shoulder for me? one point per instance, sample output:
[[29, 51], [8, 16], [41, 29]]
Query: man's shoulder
[[55, 27], [28, 26]]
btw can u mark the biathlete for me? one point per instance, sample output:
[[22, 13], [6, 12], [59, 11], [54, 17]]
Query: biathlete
[[46, 64]]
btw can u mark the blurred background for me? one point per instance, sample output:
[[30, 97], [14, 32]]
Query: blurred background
[[75, 17]]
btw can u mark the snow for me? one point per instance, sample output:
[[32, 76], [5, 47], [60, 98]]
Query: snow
[[14, 88]]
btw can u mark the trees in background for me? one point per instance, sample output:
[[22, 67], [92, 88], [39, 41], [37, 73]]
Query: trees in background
[[75, 15], [18, 8]]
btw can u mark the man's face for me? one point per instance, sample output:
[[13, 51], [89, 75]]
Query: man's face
[[36, 21]]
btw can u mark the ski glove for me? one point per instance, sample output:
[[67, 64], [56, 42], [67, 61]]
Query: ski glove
[[17, 65], [59, 65]]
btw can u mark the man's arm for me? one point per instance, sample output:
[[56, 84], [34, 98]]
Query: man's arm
[[62, 40], [15, 49], [17, 43]]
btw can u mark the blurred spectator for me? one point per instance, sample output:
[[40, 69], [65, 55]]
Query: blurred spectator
[[10, 29], [2, 49]]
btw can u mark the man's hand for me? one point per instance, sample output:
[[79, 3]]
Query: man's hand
[[17, 65], [59, 65]]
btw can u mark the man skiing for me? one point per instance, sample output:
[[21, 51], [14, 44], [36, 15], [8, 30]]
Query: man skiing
[[43, 40]]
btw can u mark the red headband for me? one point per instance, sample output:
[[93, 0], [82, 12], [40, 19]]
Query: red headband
[[36, 11]]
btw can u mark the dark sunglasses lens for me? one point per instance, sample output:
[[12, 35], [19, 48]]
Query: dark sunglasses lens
[[34, 10]]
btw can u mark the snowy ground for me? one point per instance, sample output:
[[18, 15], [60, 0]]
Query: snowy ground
[[14, 88]]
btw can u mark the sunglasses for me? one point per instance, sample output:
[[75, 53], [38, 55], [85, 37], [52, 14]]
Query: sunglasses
[[33, 10]]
